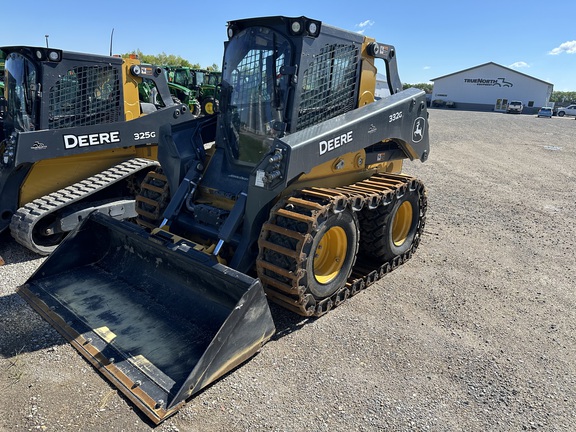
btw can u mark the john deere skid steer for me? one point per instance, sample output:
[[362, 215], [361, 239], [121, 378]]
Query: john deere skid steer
[[296, 196], [75, 140]]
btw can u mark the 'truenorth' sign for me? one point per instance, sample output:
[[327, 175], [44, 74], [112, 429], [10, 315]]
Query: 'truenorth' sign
[[500, 82]]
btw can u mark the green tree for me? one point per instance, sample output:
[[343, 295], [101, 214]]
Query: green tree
[[422, 86], [563, 97], [162, 59]]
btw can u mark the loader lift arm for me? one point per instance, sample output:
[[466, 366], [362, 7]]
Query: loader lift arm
[[42, 223]]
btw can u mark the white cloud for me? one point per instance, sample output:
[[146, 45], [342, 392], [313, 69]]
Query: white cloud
[[519, 65], [364, 25], [367, 23], [427, 67], [567, 47]]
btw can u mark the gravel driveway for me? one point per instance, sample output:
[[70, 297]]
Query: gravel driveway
[[476, 333]]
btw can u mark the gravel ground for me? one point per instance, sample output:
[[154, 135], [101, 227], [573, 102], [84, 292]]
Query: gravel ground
[[475, 333]]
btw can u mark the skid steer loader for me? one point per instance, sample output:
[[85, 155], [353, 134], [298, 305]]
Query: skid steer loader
[[296, 197], [69, 143]]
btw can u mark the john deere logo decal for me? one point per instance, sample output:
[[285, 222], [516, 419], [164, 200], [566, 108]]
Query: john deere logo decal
[[333, 143], [71, 141], [39, 146], [418, 129]]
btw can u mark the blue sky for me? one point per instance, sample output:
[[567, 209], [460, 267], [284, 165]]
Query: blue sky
[[432, 38]]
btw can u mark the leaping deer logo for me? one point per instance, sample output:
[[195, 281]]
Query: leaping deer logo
[[418, 130]]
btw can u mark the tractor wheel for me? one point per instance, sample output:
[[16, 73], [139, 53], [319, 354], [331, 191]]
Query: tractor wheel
[[208, 106], [332, 253], [389, 231], [195, 109]]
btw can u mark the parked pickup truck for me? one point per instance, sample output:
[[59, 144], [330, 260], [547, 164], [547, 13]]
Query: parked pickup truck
[[569, 110], [514, 107]]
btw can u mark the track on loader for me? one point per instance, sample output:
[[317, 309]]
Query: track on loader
[[283, 240], [29, 224]]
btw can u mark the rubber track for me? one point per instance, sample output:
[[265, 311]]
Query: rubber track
[[152, 200], [281, 245], [26, 217]]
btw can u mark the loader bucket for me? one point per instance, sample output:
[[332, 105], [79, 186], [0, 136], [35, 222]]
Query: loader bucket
[[160, 320]]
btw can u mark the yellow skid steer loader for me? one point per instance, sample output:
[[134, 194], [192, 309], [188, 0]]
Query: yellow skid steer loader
[[69, 143]]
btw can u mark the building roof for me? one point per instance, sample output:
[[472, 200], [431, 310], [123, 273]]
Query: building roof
[[491, 63]]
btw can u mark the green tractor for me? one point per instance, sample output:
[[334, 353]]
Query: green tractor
[[209, 89], [180, 94], [201, 81], [186, 96]]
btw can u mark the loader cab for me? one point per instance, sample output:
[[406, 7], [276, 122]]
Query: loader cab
[[21, 80], [281, 75], [256, 91], [52, 89]]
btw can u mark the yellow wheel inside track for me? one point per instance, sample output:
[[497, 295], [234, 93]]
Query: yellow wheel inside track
[[330, 255], [401, 223], [209, 108]]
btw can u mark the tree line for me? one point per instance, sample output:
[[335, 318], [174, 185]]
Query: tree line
[[168, 59], [563, 97]]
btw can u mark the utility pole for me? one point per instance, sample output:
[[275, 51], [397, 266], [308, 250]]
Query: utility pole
[[46, 36]]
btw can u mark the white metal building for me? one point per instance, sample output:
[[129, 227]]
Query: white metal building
[[489, 87], [382, 89]]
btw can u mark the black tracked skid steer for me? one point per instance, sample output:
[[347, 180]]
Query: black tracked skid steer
[[77, 139], [292, 193]]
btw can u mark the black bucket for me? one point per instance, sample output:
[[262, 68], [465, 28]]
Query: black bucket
[[159, 319]]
